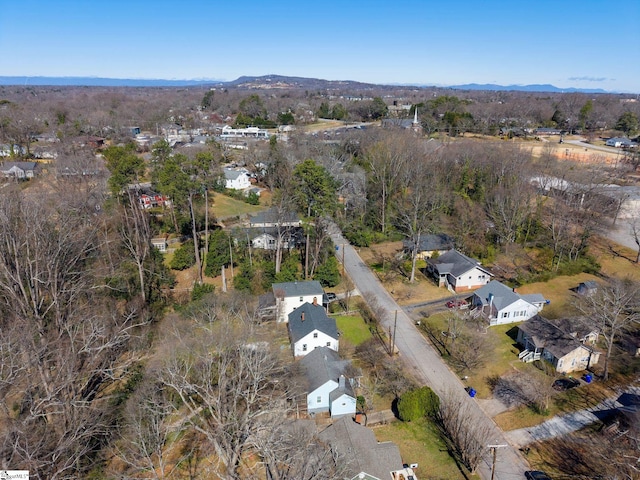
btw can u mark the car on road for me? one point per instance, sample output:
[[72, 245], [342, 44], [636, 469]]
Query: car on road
[[536, 475], [456, 304], [331, 296]]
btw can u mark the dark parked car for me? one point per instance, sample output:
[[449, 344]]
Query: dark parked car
[[563, 384], [331, 296], [536, 475]]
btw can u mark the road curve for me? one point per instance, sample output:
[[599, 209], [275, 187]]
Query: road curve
[[425, 363]]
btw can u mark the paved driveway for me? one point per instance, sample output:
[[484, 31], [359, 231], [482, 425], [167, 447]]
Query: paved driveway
[[425, 363]]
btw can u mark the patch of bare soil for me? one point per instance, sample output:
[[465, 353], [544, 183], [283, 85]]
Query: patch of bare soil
[[392, 272]]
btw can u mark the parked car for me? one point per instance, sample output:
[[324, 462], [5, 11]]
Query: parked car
[[536, 475], [456, 304], [331, 296]]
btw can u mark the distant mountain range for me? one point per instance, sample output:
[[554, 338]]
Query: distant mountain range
[[267, 81], [525, 88]]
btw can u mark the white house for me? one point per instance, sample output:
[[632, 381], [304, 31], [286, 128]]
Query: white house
[[311, 328], [229, 132], [501, 304], [291, 295], [19, 170], [236, 179], [457, 271], [267, 240], [328, 388], [620, 142]]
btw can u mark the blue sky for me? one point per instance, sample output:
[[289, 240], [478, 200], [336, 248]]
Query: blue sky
[[586, 44]]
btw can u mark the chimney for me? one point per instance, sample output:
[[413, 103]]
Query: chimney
[[302, 317], [341, 382], [315, 301]]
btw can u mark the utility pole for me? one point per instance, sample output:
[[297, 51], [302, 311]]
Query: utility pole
[[494, 449], [395, 324]]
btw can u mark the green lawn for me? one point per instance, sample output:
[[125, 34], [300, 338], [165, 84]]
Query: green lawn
[[500, 360], [419, 442], [227, 207], [353, 329]]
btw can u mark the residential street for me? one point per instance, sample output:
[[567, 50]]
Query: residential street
[[425, 362]]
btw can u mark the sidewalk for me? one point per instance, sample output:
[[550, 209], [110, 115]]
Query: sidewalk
[[564, 424]]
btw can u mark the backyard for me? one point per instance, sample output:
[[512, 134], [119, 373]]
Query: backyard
[[419, 442]]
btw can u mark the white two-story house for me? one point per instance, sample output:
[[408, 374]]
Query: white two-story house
[[310, 328], [291, 295]]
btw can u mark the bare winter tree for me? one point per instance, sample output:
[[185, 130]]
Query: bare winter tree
[[468, 440], [423, 198], [150, 438], [509, 193], [611, 310], [228, 390], [293, 451], [63, 333], [634, 227], [386, 162], [136, 238]]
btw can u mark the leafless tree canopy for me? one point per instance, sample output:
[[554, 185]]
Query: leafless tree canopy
[[60, 341]]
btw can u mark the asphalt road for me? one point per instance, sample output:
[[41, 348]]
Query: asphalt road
[[426, 364]]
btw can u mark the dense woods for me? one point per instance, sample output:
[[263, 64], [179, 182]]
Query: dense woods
[[106, 373]]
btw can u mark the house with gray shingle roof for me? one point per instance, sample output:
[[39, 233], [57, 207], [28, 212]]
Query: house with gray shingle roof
[[368, 459], [500, 304], [236, 179], [428, 245], [620, 142], [20, 170], [566, 351], [290, 295], [310, 328], [272, 218], [328, 388], [457, 271]]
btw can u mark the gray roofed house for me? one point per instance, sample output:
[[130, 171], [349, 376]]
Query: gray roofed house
[[429, 244], [328, 388], [271, 218], [310, 328], [19, 169], [542, 338], [455, 270], [290, 295], [266, 238], [620, 142], [364, 454], [236, 179], [500, 304]]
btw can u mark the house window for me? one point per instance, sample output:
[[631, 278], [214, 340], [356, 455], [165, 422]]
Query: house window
[[300, 298], [304, 347], [505, 314], [318, 399], [328, 344], [315, 335]]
